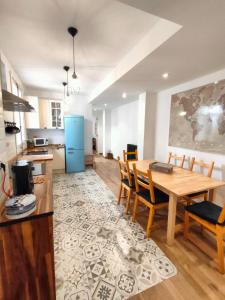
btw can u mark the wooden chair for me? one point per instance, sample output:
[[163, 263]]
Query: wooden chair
[[127, 182], [201, 165], [148, 195], [176, 158], [126, 155], [211, 217]]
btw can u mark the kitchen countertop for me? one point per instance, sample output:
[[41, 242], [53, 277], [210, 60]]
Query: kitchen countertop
[[47, 156], [35, 157], [44, 198]]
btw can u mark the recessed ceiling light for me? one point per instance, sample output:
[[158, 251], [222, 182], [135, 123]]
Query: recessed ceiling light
[[105, 104], [124, 95], [183, 113], [165, 75], [215, 82]]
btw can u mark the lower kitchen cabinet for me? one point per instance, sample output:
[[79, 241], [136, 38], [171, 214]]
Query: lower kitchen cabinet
[[58, 159], [27, 260]]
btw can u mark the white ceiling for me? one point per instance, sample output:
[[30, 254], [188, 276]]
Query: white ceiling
[[33, 36], [195, 50]]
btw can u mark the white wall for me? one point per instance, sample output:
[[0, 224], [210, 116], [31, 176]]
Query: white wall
[[140, 118], [124, 127], [99, 137], [106, 124], [134, 123], [162, 129], [149, 128]]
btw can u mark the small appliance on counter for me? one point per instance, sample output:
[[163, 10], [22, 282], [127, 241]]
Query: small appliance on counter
[[39, 169], [22, 177], [20, 206], [40, 142], [22, 202]]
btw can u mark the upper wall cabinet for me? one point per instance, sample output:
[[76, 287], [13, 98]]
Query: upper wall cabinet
[[32, 118], [56, 112], [49, 115]]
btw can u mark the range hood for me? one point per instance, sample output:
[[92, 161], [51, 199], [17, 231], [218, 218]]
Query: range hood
[[15, 103]]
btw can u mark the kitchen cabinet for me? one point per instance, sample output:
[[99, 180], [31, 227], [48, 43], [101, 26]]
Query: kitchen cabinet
[[58, 159], [56, 114], [44, 113], [48, 114], [32, 119], [51, 114]]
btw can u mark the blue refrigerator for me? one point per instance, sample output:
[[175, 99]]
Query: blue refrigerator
[[74, 143]]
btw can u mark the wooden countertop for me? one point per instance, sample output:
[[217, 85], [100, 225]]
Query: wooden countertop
[[47, 156], [44, 198]]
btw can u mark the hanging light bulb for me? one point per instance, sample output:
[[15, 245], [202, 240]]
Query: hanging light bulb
[[73, 31], [66, 68], [64, 85]]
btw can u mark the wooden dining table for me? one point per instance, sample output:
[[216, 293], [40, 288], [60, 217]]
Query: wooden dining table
[[178, 184]]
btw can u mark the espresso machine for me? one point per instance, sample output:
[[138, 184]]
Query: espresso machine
[[22, 178], [23, 201]]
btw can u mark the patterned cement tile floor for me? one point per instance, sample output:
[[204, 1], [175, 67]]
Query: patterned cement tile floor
[[99, 252]]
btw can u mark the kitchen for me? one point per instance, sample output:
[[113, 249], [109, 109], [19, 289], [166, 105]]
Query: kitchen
[[48, 149]]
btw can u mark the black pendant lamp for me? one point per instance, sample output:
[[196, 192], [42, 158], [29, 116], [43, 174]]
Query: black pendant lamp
[[66, 68], [73, 31], [64, 85]]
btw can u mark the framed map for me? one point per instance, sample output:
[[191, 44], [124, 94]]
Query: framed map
[[197, 118]]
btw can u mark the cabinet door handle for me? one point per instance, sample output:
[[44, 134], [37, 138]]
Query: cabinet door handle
[[70, 152]]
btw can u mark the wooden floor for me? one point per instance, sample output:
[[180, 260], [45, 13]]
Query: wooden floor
[[197, 276]]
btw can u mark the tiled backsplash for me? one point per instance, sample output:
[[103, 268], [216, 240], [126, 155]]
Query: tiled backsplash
[[55, 136]]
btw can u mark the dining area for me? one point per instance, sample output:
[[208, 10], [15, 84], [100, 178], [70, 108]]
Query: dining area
[[182, 186]]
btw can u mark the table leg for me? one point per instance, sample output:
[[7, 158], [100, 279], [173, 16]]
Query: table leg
[[211, 194], [171, 219]]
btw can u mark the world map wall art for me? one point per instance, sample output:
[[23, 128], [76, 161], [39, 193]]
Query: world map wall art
[[197, 118]]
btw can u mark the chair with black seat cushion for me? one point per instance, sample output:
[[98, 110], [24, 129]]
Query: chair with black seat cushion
[[127, 155], [202, 165], [212, 218], [126, 183], [148, 195]]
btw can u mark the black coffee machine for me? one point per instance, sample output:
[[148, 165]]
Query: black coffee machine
[[22, 177]]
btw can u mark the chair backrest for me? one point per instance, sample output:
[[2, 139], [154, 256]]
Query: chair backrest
[[144, 180], [221, 218], [176, 158], [124, 170], [202, 165], [126, 154]]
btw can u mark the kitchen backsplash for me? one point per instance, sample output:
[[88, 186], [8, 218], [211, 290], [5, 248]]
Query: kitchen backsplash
[[55, 136]]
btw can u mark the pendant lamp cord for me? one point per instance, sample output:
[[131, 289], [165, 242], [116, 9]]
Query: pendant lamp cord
[[67, 85], [73, 57]]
